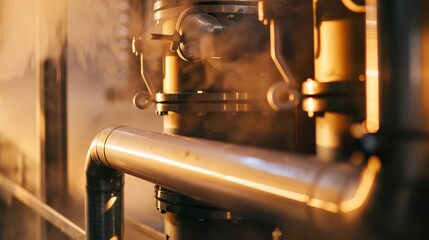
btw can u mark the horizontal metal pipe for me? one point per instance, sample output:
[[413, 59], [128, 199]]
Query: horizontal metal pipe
[[268, 185]]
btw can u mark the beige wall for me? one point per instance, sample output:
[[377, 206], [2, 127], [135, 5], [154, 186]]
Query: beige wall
[[99, 62]]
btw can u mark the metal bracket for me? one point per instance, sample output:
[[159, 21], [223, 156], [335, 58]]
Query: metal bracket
[[143, 99]]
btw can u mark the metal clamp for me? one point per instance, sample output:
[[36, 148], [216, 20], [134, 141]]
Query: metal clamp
[[282, 97], [339, 96], [201, 101], [143, 99], [169, 201], [345, 88]]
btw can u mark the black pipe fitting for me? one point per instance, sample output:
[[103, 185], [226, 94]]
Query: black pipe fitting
[[104, 210]]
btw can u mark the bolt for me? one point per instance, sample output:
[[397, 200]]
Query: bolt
[[161, 113]]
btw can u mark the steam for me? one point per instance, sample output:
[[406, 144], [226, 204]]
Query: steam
[[98, 35], [99, 40], [242, 60], [17, 34]]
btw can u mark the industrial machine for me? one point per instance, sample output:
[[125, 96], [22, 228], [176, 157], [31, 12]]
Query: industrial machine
[[282, 119], [241, 72]]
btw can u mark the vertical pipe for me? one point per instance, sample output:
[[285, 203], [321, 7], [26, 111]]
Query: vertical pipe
[[51, 106], [339, 56], [404, 118], [55, 117], [372, 81], [171, 61], [402, 80], [171, 121], [104, 208], [171, 74]]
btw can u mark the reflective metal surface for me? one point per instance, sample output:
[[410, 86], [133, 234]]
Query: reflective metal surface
[[169, 201], [203, 102], [202, 96], [263, 184], [349, 81], [315, 88], [231, 9]]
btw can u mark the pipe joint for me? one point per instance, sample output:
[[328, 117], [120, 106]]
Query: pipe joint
[[104, 187]]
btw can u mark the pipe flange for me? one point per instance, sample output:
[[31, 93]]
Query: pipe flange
[[169, 201], [202, 96], [346, 88], [164, 108], [164, 4], [203, 102], [170, 9], [337, 104], [160, 4]]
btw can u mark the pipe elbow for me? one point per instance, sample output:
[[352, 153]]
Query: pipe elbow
[[351, 195], [96, 164], [104, 186]]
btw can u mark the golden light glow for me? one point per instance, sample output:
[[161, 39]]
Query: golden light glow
[[270, 189], [328, 206], [310, 86], [372, 98], [311, 105], [244, 182], [361, 194], [372, 88], [364, 187], [274, 45], [110, 203], [362, 191], [261, 11], [352, 6]]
